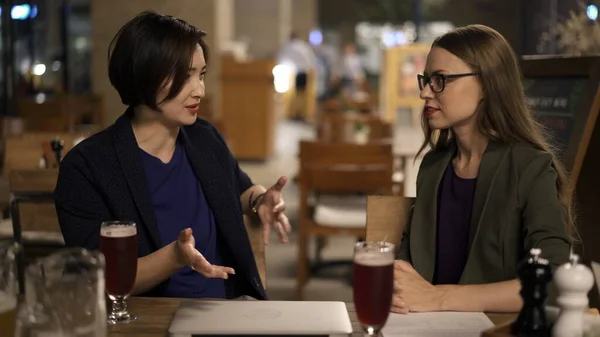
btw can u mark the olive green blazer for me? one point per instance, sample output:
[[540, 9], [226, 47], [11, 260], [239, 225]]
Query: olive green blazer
[[515, 208]]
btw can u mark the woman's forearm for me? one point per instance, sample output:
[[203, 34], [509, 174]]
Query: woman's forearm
[[492, 297], [155, 268]]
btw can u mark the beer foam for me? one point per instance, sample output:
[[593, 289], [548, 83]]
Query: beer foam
[[118, 231], [373, 259], [7, 302]]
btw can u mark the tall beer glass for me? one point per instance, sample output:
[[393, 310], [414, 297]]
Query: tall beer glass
[[373, 284], [8, 288], [118, 243]]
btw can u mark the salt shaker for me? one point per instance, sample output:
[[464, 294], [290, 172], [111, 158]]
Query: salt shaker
[[573, 281]]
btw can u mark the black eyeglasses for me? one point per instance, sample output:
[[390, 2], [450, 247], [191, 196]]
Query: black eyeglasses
[[437, 82]]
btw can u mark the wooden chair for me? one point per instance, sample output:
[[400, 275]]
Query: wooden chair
[[340, 127], [33, 216], [386, 217], [337, 173], [331, 105]]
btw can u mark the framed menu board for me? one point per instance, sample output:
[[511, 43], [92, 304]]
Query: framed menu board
[[555, 103], [564, 95]]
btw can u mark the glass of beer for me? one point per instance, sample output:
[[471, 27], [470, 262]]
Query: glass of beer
[[118, 243], [8, 287], [373, 284]]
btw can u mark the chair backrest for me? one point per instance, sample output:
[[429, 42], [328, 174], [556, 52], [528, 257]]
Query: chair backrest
[[330, 105], [35, 209], [340, 127], [386, 217], [346, 167]]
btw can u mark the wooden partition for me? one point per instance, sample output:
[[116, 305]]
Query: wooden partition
[[63, 113], [564, 94], [247, 108]]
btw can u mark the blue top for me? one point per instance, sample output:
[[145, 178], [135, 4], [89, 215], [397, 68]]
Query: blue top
[[455, 203], [178, 203]]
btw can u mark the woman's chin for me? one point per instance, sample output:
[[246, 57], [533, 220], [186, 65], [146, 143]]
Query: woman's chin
[[437, 124], [188, 120]]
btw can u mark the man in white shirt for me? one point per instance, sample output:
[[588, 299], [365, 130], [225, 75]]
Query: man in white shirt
[[301, 58], [353, 72]]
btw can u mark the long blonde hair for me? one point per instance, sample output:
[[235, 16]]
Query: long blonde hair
[[503, 115]]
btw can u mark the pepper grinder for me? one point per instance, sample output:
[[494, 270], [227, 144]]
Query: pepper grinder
[[535, 273]]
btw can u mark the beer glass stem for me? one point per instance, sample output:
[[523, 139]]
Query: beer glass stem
[[118, 313], [119, 306], [371, 332]]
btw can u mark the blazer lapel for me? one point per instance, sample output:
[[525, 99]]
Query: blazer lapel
[[218, 191], [423, 234], [130, 161], [488, 170]]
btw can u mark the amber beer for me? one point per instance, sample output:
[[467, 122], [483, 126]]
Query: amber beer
[[373, 284], [8, 314], [119, 246]]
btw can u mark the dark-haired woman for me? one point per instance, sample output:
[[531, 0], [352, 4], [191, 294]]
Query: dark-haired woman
[[490, 189], [168, 171]]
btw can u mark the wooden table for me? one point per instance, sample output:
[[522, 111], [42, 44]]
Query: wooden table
[[155, 315]]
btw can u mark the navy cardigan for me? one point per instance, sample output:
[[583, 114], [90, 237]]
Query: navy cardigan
[[102, 179]]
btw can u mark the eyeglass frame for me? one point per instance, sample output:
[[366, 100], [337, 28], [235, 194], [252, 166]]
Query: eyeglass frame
[[444, 78]]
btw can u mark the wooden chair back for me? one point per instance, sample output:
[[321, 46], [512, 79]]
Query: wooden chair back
[[35, 209], [345, 168], [340, 127], [330, 105], [386, 217]]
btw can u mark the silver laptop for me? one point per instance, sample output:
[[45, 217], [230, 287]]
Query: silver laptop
[[260, 318]]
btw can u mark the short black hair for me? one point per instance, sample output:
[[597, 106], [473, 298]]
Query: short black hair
[[148, 52]]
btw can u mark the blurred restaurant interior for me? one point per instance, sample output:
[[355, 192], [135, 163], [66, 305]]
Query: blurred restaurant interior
[[361, 88]]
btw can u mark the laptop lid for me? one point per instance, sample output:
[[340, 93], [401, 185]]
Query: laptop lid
[[247, 318]]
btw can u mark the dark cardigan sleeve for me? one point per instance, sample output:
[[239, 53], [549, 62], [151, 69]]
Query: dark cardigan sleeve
[[79, 206], [244, 182]]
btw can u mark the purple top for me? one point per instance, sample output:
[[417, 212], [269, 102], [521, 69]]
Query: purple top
[[455, 203], [179, 202]]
